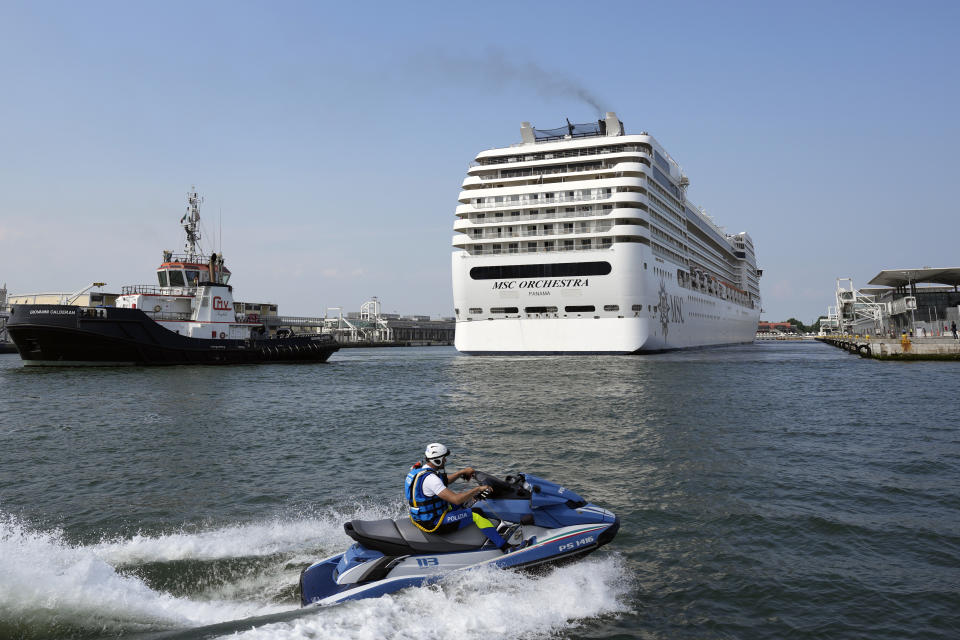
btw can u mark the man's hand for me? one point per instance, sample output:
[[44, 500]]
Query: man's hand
[[459, 498], [466, 473]]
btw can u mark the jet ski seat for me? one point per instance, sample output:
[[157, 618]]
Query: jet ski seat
[[402, 537]]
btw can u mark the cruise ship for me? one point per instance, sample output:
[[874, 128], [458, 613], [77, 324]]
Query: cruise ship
[[581, 240]]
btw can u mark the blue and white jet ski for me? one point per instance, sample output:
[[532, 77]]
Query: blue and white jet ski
[[545, 523]]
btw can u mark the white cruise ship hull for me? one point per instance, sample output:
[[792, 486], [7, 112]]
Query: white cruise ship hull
[[638, 308]]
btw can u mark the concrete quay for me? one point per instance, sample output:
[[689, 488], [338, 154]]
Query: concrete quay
[[903, 348]]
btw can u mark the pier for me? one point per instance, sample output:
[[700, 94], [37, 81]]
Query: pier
[[369, 327], [902, 348]]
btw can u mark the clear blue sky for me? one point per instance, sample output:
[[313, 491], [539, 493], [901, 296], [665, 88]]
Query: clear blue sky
[[334, 137]]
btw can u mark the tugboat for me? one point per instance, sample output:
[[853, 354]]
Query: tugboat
[[189, 318]]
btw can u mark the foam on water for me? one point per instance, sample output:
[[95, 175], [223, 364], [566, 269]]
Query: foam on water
[[50, 584], [322, 532], [487, 603]]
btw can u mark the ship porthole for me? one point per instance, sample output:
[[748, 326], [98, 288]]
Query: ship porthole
[[222, 335], [156, 307]]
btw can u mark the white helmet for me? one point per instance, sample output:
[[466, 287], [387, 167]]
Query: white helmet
[[436, 453]]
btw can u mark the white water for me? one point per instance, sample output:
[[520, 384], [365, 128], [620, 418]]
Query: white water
[[48, 584], [485, 604], [240, 541]]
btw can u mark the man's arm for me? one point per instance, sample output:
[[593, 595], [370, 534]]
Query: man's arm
[[466, 473], [459, 498]]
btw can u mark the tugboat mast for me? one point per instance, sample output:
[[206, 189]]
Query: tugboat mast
[[191, 222]]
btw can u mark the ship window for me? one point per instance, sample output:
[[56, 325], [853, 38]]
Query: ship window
[[540, 309], [504, 310], [580, 309], [476, 310], [176, 278], [559, 270], [162, 278], [611, 307], [193, 276], [224, 277], [637, 307]]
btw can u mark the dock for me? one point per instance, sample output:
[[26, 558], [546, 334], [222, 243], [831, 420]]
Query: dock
[[902, 348]]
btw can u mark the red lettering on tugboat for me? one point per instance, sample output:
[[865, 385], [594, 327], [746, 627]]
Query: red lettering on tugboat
[[220, 304]]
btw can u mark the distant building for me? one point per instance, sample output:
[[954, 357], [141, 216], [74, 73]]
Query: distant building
[[911, 306], [85, 299], [776, 327]]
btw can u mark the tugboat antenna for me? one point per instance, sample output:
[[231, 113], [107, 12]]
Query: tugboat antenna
[[191, 224]]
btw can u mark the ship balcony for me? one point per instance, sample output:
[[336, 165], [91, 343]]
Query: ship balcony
[[551, 159], [553, 230], [486, 251], [524, 212], [507, 202], [520, 196], [523, 176], [462, 224]]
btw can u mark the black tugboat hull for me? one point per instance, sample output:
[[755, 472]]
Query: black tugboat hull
[[60, 335]]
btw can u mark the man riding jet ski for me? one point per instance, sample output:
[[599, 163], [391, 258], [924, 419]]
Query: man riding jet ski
[[435, 508], [522, 521]]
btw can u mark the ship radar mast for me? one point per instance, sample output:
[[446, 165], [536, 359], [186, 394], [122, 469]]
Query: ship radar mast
[[191, 224]]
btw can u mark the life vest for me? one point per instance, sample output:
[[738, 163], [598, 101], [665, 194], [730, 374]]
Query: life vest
[[425, 512]]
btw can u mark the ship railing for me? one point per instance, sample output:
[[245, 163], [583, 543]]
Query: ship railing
[[151, 289], [571, 153], [105, 312], [540, 216], [490, 252], [507, 174], [506, 204], [186, 258], [599, 228], [178, 316]]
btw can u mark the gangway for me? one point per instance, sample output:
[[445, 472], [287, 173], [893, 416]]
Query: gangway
[[858, 312], [370, 326]]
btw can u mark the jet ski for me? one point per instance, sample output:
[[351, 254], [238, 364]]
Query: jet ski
[[542, 521]]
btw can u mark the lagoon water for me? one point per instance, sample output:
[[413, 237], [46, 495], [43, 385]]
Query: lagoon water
[[775, 490]]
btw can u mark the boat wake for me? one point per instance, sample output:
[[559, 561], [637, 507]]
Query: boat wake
[[183, 580]]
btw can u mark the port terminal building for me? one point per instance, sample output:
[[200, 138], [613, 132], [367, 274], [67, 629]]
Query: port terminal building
[[918, 302]]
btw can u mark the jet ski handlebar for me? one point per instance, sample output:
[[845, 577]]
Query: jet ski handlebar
[[509, 487]]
